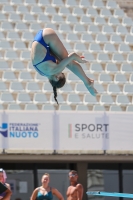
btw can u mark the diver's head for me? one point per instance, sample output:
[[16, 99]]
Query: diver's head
[[57, 81]]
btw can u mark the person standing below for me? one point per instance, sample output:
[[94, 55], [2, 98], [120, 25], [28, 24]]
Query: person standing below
[[7, 194], [75, 190], [45, 192]]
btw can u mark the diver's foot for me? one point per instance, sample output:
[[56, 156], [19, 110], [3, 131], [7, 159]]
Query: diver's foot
[[90, 87]]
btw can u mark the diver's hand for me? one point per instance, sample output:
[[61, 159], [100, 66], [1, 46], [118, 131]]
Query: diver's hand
[[83, 60], [77, 58]]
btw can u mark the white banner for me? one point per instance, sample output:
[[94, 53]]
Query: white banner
[[60, 130], [26, 130], [95, 131], [83, 131]]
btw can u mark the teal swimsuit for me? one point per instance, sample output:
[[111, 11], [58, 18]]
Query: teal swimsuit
[[48, 196]]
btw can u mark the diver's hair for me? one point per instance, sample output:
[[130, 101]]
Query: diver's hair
[[57, 84], [55, 94]]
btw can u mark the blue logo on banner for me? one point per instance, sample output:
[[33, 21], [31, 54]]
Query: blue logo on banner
[[4, 129], [19, 130]]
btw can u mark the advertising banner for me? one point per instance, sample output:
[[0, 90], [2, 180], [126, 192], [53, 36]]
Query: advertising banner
[[121, 131], [84, 131], [26, 130], [61, 130], [95, 131]]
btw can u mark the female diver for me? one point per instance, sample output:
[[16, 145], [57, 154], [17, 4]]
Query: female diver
[[50, 57]]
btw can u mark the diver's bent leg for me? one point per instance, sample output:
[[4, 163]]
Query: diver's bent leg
[[77, 70], [60, 51], [56, 46]]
